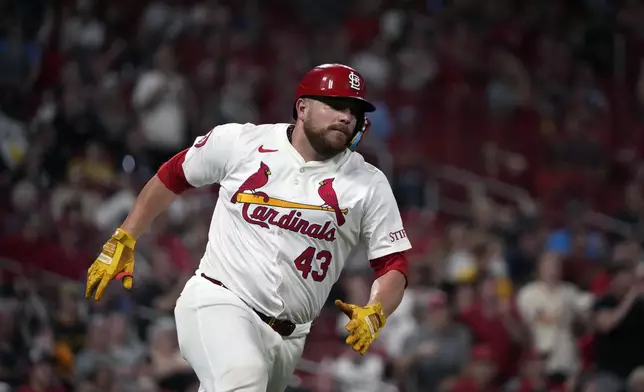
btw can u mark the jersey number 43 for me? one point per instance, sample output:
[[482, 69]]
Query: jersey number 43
[[304, 263]]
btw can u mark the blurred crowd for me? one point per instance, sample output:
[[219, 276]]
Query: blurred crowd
[[523, 293]]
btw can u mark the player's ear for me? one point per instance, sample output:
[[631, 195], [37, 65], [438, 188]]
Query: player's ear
[[302, 107]]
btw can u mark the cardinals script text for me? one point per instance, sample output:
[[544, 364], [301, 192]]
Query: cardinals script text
[[263, 216]]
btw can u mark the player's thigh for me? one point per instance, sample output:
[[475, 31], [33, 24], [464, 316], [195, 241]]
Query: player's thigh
[[287, 356], [222, 345]]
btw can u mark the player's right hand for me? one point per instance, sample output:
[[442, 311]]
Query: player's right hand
[[115, 261]]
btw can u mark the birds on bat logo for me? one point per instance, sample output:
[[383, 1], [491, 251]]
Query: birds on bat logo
[[259, 179]]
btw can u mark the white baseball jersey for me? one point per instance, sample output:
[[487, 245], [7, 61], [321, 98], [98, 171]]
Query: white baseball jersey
[[283, 228]]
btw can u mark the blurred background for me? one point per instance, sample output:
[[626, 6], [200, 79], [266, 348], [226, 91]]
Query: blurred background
[[512, 133]]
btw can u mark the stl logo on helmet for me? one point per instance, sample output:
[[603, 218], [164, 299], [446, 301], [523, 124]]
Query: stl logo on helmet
[[354, 81]]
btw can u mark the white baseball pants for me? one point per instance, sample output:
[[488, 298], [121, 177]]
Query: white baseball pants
[[228, 346]]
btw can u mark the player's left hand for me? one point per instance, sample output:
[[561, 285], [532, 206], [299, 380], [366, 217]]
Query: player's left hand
[[364, 325]]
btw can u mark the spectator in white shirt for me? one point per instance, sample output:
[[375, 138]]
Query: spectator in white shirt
[[549, 307], [355, 373], [159, 98], [83, 31]]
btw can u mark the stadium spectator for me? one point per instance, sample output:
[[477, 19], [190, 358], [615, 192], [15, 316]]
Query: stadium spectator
[[618, 314], [168, 367], [42, 377], [438, 350], [549, 307], [479, 374], [160, 97], [494, 322], [533, 375], [356, 373], [636, 380]]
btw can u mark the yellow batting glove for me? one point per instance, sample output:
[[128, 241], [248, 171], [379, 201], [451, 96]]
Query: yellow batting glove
[[364, 324], [116, 261]]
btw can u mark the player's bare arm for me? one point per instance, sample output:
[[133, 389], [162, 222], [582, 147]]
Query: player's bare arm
[[157, 195], [116, 260], [154, 199], [388, 290]]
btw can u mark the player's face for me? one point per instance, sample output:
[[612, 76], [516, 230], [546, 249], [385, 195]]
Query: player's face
[[329, 125]]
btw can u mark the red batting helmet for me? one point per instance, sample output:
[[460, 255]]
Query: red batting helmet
[[336, 81]]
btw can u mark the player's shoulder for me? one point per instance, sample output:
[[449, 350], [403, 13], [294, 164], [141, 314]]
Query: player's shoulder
[[241, 135], [362, 171], [248, 133]]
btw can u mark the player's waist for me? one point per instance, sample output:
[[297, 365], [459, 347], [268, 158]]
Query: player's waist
[[283, 327]]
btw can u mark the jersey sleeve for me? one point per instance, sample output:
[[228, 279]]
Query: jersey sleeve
[[382, 229], [208, 160]]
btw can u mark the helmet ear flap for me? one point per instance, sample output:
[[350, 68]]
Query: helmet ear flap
[[362, 129]]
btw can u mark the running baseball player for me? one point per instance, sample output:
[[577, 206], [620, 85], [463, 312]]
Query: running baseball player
[[294, 203]]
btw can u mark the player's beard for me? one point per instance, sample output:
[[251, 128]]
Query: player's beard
[[328, 141]]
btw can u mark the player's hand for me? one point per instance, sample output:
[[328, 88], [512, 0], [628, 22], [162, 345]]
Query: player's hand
[[116, 261], [364, 324]]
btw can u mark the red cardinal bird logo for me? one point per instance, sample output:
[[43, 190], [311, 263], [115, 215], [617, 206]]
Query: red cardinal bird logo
[[327, 193], [254, 182]]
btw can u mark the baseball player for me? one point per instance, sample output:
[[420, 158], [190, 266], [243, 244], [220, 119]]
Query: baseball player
[[294, 203]]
